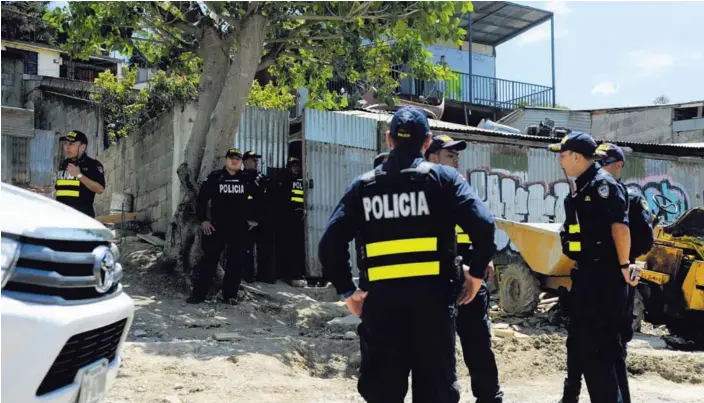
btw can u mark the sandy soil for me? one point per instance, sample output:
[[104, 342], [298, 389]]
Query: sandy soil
[[281, 346]]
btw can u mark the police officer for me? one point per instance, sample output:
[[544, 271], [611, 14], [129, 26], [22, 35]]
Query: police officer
[[262, 234], [79, 177], [402, 216], [641, 230], [290, 230], [380, 159], [227, 189], [473, 325], [596, 235]]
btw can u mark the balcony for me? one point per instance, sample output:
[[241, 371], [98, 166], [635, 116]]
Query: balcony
[[480, 90], [485, 91]]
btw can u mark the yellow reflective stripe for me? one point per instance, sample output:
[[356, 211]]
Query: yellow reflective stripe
[[250, 197], [68, 182], [403, 270], [68, 193], [575, 246], [574, 229], [463, 238], [297, 191], [402, 246], [297, 199]]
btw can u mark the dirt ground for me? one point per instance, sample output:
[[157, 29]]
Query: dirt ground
[[285, 344]]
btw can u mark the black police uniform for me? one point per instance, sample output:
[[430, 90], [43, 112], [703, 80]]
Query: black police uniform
[[599, 292], [262, 234], [473, 322], [402, 216], [641, 229], [230, 212], [290, 227], [69, 189]]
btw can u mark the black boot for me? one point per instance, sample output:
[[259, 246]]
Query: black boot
[[570, 393]]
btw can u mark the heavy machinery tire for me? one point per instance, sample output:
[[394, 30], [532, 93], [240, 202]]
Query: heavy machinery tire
[[519, 291], [638, 311]]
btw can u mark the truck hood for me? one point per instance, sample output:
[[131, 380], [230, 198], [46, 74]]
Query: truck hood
[[32, 215]]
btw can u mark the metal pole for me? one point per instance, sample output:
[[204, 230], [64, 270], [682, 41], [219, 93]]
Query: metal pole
[[552, 55], [469, 53]]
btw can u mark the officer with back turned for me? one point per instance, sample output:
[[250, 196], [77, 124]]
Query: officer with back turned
[[641, 229], [596, 235], [227, 189], [79, 177], [402, 216], [473, 325]]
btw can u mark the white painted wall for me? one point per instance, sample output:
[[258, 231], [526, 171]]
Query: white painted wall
[[48, 61]]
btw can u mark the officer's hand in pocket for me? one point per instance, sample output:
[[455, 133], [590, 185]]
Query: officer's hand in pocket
[[469, 288], [355, 302], [207, 227]]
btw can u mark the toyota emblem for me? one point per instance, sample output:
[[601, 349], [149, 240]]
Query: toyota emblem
[[103, 269]]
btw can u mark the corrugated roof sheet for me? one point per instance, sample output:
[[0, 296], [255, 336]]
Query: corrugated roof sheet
[[680, 150]]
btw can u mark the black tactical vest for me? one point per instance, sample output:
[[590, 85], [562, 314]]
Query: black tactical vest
[[404, 231]]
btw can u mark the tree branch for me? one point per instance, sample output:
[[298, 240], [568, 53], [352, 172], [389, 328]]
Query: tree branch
[[312, 38]]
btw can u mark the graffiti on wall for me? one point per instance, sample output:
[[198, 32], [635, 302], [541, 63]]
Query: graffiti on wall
[[664, 186], [510, 197]]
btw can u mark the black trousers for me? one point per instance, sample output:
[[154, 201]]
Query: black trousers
[[595, 342], [234, 239], [290, 241], [260, 243], [575, 368], [473, 327], [408, 329]]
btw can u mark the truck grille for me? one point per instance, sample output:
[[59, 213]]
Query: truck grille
[[81, 350], [60, 272]]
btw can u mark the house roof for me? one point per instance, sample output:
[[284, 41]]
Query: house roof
[[679, 150], [495, 22], [20, 44]]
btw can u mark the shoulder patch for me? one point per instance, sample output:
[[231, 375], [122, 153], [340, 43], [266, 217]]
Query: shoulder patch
[[603, 191], [645, 205], [100, 169]]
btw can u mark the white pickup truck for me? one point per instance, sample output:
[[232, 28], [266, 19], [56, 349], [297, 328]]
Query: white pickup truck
[[64, 313]]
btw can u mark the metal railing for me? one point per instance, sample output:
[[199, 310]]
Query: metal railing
[[487, 91]]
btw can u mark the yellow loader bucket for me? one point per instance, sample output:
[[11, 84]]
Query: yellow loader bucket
[[539, 244]]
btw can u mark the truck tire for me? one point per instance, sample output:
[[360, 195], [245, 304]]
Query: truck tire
[[638, 311], [519, 290]]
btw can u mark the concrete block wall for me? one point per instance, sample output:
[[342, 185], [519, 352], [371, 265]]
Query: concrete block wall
[[644, 126], [141, 165], [12, 70]]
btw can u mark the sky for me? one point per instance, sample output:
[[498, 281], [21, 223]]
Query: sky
[[612, 54]]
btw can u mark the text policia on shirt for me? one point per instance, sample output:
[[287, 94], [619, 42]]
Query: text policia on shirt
[[395, 205]]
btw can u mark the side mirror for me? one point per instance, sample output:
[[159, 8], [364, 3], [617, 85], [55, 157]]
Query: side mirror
[[310, 183]]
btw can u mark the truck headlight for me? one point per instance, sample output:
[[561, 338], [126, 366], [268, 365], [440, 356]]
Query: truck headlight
[[10, 254]]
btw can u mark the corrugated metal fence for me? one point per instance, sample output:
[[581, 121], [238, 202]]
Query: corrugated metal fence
[[337, 149], [519, 180], [522, 183], [265, 131]]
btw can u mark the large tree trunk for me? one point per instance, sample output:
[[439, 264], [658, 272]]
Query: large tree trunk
[[223, 91]]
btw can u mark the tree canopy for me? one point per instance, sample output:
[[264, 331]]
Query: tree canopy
[[300, 44], [22, 20], [304, 44]]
